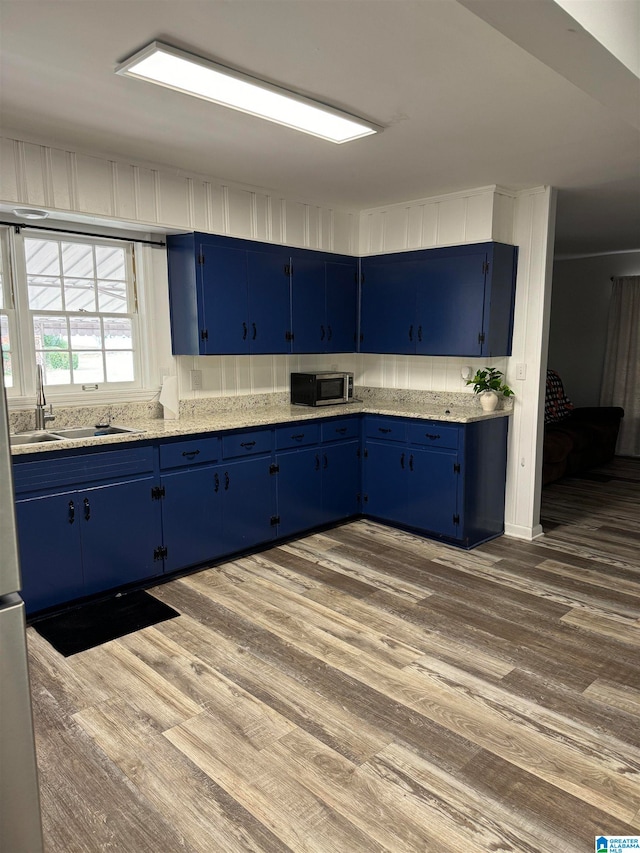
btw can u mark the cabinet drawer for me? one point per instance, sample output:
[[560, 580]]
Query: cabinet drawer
[[62, 470], [246, 443], [297, 435], [195, 451], [392, 429], [434, 434], [334, 430]]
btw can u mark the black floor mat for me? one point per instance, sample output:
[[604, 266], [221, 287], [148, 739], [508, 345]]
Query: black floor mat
[[98, 622]]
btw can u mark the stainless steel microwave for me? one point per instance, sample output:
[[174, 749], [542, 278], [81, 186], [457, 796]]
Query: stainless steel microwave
[[321, 389]]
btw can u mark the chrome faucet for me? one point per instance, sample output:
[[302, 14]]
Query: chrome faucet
[[41, 415]]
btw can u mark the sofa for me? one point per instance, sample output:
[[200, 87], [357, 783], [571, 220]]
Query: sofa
[[575, 439]]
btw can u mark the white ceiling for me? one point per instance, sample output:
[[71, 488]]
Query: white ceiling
[[471, 93]]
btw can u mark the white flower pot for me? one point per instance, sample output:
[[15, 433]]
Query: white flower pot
[[489, 401]]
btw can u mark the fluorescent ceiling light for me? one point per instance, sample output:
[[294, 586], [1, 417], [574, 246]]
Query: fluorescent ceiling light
[[184, 72], [30, 213]]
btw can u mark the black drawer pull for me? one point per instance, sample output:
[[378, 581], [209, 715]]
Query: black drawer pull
[[226, 480], [384, 429], [190, 454], [431, 435], [420, 333], [298, 437], [329, 333], [255, 331], [317, 468], [402, 461], [326, 461], [341, 430], [72, 512], [87, 509], [411, 462], [244, 331], [411, 332], [321, 333], [247, 444], [216, 482]]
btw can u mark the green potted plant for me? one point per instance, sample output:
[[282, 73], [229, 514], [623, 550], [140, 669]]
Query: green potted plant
[[488, 384]]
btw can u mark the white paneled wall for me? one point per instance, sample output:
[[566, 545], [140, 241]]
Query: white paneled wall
[[60, 180]]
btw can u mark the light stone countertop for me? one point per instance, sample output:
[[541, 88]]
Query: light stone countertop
[[212, 415]]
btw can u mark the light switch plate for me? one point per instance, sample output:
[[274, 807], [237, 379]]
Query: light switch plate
[[196, 380]]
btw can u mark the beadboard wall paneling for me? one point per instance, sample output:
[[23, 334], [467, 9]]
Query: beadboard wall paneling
[[66, 181], [426, 223]]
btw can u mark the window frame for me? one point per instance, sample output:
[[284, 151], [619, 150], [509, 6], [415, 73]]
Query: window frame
[[22, 394]]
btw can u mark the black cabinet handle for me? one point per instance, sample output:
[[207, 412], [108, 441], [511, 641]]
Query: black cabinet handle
[[384, 429], [329, 333], [190, 454], [321, 333], [247, 444], [411, 462], [244, 331], [420, 333], [216, 482], [341, 430], [431, 435], [326, 461], [411, 332], [317, 468], [72, 512], [226, 481], [255, 331], [298, 437], [402, 461], [87, 509]]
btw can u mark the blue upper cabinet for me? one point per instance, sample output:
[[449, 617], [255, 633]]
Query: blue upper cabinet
[[323, 302], [228, 296], [447, 302]]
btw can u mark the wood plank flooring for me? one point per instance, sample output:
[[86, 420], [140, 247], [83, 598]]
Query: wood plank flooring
[[366, 690]]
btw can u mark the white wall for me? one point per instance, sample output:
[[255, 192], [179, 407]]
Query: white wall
[[579, 312], [76, 184]]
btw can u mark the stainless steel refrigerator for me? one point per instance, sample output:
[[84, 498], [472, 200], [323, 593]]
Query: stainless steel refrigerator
[[20, 823]]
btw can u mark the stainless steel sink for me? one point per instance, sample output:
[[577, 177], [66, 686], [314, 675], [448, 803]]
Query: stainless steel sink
[[94, 431], [32, 438]]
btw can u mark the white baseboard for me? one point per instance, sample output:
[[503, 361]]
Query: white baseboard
[[518, 531]]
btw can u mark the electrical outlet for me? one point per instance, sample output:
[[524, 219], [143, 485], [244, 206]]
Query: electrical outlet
[[521, 371], [196, 380]]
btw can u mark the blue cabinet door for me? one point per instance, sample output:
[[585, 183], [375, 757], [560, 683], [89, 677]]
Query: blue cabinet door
[[308, 304], [341, 306], [248, 505], [433, 491], [50, 555], [388, 306], [450, 305], [225, 306], [119, 532], [269, 302], [340, 481], [385, 470], [299, 490], [192, 517]]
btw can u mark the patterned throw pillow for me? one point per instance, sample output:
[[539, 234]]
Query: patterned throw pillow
[[556, 404]]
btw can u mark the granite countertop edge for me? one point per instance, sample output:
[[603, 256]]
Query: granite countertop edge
[[156, 428]]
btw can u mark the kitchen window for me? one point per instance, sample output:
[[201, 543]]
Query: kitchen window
[[70, 306]]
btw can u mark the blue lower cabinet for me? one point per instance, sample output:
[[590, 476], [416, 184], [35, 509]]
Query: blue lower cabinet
[[86, 541], [299, 479], [340, 481], [432, 480], [50, 553], [119, 533], [386, 494], [192, 516], [248, 505]]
